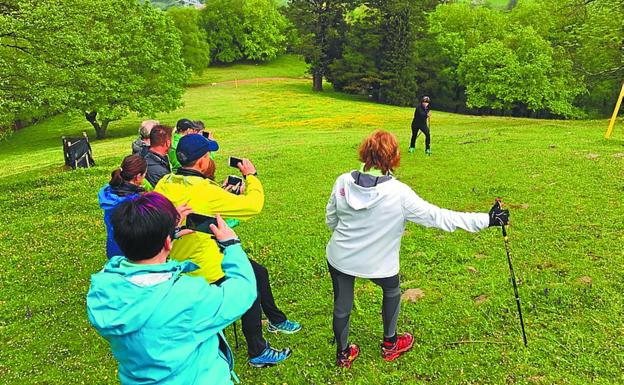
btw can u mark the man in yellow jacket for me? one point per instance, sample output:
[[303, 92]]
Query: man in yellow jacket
[[194, 185]]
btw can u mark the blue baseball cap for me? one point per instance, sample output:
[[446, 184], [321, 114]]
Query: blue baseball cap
[[193, 146]]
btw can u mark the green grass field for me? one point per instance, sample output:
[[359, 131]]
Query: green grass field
[[562, 181]]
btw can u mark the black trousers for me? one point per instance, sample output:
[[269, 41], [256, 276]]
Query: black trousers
[[252, 319], [343, 304], [425, 130]]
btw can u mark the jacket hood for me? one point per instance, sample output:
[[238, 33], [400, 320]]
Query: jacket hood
[[361, 190], [124, 295], [108, 199]]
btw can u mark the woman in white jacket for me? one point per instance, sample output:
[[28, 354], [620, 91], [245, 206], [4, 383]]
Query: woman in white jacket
[[367, 212]]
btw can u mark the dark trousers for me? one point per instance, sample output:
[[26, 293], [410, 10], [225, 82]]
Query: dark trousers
[[343, 303], [252, 319], [425, 130]]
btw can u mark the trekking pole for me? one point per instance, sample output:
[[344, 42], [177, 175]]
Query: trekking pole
[[513, 280]]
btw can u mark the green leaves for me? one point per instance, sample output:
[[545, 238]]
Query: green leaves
[[195, 47], [111, 57], [244, 29], [505, 61]]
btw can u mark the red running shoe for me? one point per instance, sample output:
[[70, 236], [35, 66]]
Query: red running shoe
[[391, 351], [345, 358]]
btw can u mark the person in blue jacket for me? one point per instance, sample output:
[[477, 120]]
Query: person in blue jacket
[[127, 182], [163, 325]]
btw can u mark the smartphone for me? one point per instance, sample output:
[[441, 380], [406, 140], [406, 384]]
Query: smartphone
[[200, 222], [206, 134], [235, 161], [234, 180]]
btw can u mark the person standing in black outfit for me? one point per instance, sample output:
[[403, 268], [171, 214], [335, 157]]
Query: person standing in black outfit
[[420, 122]]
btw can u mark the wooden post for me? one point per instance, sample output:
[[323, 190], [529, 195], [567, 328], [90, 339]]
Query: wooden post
[[615, 112]]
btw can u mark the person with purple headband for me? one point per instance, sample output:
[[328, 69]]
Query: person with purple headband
[[140, 303]]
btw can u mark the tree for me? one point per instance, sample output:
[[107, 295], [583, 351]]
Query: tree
[[379, 51], [322, 26], [357, 71], [195, 47], [244, 29], [103, 59], [398, 32], [504, 63], [33, 67], [264, 29], [594, 41], [138, 64]]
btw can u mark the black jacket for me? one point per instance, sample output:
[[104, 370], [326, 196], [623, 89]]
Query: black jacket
[[157, 167], [420, 117]]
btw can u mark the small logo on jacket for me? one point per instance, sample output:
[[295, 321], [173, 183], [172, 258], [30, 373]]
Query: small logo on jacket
[[342, 192]]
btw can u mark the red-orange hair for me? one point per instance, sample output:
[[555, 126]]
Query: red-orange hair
[[381, 151]]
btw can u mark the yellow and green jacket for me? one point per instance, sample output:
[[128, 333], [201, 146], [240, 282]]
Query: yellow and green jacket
[[206, 197], [173, 157]]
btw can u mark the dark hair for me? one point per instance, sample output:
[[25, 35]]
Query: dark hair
[[381, 151], [199, 124], [131, 166], [141, 225], [160, 134]]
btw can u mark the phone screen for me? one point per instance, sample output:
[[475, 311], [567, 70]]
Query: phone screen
[[206, 134], [235, 161], [200, 222], [234, 180]]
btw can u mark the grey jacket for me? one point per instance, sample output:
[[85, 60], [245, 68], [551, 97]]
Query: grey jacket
[[157, 167]]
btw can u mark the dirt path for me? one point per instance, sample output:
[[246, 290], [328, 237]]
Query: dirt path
[[256, 80]]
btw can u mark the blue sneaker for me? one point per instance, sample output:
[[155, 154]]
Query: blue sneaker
[[270, 357], [286, 327]]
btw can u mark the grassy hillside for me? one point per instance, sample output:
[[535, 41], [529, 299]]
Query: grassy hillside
[[563, 183]]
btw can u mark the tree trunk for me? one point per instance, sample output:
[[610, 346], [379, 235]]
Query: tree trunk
[[100, 129], [317, 81]]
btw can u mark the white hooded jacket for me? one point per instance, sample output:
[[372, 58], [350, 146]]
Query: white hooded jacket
[[368, 223]]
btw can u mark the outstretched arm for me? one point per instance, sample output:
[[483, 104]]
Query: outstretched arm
[[419, 211]]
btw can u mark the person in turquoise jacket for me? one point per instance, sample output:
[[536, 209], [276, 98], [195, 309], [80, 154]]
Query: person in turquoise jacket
[[163, 325]]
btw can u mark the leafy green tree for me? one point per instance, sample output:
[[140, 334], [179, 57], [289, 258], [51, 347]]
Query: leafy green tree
[[593, 37], [397, 67], [222, 22], [357, 71], [195, 47], [244, 29], [264, 29], [322, 27], [379, 51], [138, 68], [102, 59], [504, 63], [35, 59]]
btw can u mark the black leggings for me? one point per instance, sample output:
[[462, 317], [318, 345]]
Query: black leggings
[[252, 319], [425, 130], [343, 303]]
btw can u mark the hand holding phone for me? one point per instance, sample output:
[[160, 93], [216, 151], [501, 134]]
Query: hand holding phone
[[235, 161], [198, 222], [221, 231], [234, 184]]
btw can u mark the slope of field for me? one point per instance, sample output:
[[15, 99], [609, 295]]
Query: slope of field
[[563, 183]]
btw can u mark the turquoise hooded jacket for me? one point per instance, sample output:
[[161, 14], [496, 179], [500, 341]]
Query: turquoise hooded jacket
[[164, 326]]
